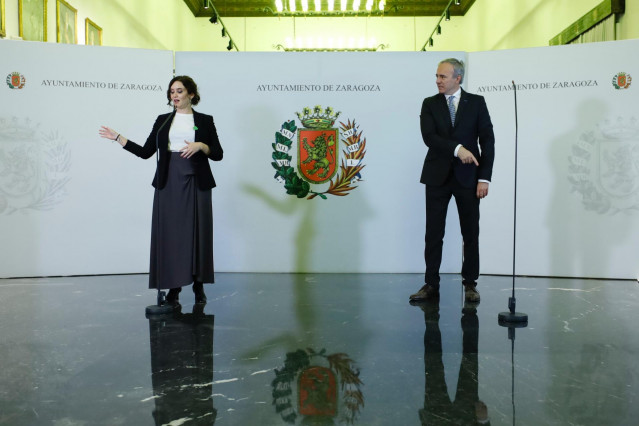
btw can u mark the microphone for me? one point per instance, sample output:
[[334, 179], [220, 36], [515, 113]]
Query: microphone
[[157, 136]]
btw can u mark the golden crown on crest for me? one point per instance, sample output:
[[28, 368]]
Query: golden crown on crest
[[318, 119]]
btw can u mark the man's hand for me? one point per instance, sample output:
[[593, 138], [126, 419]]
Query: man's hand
[[482, 189], [466, 156]]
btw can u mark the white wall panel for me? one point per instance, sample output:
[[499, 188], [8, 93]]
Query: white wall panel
[[70, 202], [578, 162], [379, 226]]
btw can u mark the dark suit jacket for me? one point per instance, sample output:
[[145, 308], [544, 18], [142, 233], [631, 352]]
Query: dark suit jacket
[[472, 127], [205, 133]]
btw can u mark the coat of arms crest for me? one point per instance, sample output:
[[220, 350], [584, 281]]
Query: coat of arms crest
[[317, 147]]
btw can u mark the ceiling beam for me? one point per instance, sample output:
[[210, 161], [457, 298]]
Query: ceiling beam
[[266, 8]]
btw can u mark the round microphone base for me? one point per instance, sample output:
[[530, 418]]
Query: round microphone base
[[513, 319]]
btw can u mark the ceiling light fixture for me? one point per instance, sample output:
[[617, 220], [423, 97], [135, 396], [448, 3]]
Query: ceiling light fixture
[[438, 27], [369, 5], [215, 18]]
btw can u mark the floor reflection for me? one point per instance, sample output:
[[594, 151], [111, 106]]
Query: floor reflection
[[318, 388], [323, 349], [466, 408], [182, 367]]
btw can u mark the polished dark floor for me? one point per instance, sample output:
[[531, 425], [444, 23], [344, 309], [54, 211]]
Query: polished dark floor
[[322, 349]]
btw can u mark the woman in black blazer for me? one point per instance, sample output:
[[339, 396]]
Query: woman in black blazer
[[182, 229]]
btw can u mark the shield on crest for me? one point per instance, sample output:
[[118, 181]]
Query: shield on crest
[[621, 80], [317, 154]]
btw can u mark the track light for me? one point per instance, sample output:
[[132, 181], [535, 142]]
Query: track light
[[438, 26], [213, 19], [206, 4], [230, 46], [223, 32]]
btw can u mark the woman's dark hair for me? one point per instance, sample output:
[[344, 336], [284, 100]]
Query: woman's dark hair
[[189, 84]]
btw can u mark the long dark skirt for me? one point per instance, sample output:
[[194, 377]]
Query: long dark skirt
[[182, 240]]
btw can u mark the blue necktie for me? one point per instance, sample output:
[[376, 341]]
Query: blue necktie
[[451, 108]]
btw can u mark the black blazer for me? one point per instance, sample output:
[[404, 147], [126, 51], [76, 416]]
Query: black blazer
[[205, 133], [473, 129]]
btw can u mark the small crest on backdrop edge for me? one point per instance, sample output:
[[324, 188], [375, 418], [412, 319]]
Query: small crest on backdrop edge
[[621, 80], [15, 80]]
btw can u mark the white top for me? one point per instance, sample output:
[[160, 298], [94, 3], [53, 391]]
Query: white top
[[182, 128]]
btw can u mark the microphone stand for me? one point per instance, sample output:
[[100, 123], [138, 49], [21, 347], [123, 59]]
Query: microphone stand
[[161, 308], [507, 318]]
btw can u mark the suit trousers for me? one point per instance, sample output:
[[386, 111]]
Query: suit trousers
[[437, 200]]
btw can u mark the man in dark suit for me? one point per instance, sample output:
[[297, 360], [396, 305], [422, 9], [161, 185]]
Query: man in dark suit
[[457, 129]]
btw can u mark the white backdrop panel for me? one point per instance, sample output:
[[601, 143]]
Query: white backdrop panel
[[578, 166], [71, 202], [379, 227]]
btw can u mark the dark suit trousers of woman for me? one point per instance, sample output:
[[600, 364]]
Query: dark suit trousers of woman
[[437, 199]]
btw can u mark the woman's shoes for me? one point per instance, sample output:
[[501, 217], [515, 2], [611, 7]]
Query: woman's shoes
[[173, 298], [198, 290]]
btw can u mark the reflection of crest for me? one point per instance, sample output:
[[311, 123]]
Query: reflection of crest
[[318, 387], [318, 154], [15, 80], [33, 167], [604, 167], [317, 392], [621, 80]]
